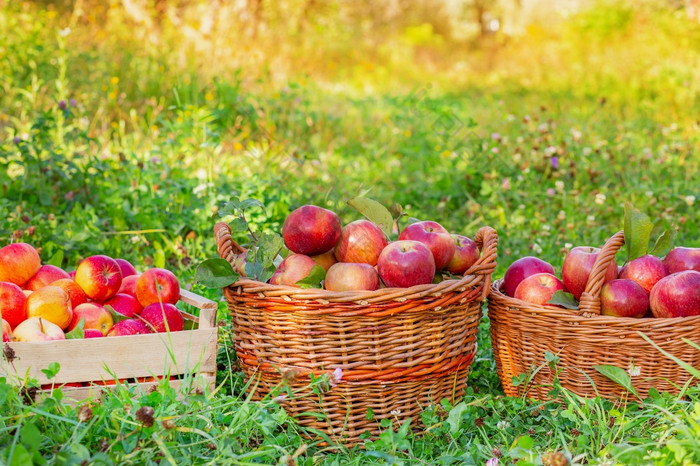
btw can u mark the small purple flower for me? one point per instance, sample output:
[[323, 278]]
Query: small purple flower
[[505, 184], [495, 136], [69, 196], [551, 192], [62, 105], [73, 103], [17, 140], [280, 398], [555, 162], [154, 160], [492, 462]]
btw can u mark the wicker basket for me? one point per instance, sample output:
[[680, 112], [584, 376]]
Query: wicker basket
[[521, 333], [399, 349]]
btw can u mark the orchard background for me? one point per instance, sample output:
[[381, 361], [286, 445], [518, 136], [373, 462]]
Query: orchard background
[[125, 127]]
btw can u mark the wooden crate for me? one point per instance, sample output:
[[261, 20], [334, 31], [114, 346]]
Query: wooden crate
[[97, 362]]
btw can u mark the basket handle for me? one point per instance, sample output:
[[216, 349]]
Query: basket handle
[[486, 239], [225, 245], [589, 304]]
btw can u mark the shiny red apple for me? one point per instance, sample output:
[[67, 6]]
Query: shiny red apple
[[46, 275], [18, 263], [126, 268], [13, 304], [294, 268], [538, 288], [623, 298], [676, 295], [124, 304], [128, 327], [577, 268], [129, 285], [406, 263], [433, 235], [99, 276], [157, 286], [75, 293], [521, 269], [94, 316], [311, 230], [360, 241], [351, 276], [645, 270], [466, 254], [680, 259], [163, 317]]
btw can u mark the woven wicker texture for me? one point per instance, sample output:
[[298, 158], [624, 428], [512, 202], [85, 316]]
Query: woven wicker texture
[[399, 349], [521, 333]]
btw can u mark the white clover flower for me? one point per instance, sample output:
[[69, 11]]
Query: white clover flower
[[633, 370], [587, 151], [576, 134], [690, 200], [561, 215], [135, 239], [590, 219], [549, 151], [600, 198], [396, 412], [517, 157], [64, 32], [537, 248], [502, 425], [649, 193], [559, 185], [510, 117], [568, 245]]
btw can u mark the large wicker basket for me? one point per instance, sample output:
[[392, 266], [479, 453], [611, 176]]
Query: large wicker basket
[[521, 333], [399, 349]]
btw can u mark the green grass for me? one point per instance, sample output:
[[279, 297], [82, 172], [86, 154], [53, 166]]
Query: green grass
[[138, 165]]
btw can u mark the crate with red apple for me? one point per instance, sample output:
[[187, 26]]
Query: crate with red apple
[[600, 321], [74, 319], [392, 324]]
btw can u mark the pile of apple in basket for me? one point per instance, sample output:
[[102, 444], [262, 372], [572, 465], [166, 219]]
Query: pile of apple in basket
[[358, 256], [646, 286]]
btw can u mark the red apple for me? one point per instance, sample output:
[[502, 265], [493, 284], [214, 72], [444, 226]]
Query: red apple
[[52, 304], [538, 288], [676, 295], [680, 259], [360, 241], [239, 262], [126, 268], [45, 275], [129, 285], [521, 269], [325, 260], [6, 330], [624, 298], [157, 286], [466, 254], [406, 263], [294, 268], [163, 317], [125, 304], [128, 327], [99, 276], [38, 329], [645, 270], [311, 230], [577, 268], [71, 274], [18, 263], [433, 235], [348, 276], [94, 316], [75, 293], [92, 333], [13, 304]]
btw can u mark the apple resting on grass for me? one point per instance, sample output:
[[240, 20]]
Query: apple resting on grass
[[406, 263], [645, 271], [13, 304], [311, 230], [38, 329], [75, 293], [18, 263], [521, 269], [52, 304], [577, 268], [128, 327], [294, 268], [466, 254], [623, 298], [157, 286], [99, 276], [125, 304], [349, 276], [680, 259], [94, 316], [538, 288], [163, 317], [126, 268], [360, 241], [45, 275], [677, 295], [325, 260], [433, 235], [6, 331]]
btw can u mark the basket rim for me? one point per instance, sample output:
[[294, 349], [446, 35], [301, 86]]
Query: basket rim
[[480, 272], [577, 318]]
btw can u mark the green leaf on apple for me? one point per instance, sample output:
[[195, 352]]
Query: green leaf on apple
[[617, 375], [664, 243], [269, 245], [78, 332], [314, 278], [374, 211], [56, 259], [116, 316], [215, 273], [637, 229], [563, 299]]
